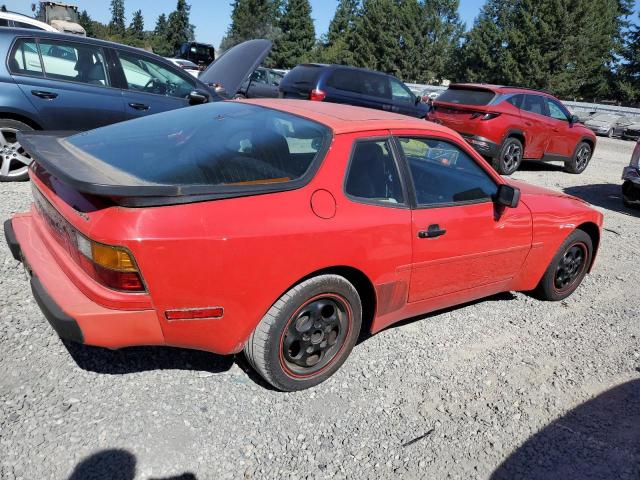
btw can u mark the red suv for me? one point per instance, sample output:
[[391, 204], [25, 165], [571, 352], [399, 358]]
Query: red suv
[[507, 124]]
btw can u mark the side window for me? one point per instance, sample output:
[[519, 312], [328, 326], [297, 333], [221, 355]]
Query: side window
[[516, 100], [375, 85], [276, 78], [534, 104], [400, 93], [145, 75], [342, 79], [373, 174], [444, 174], [74, 62], [259, 76], [4, 22], [556, 110], [25, 25], [24, 58]]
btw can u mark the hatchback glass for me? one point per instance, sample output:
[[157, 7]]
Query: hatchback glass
[[224, 143], [466, 96]]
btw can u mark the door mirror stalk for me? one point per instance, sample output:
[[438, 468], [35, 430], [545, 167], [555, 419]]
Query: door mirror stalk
[[574, 119], [508, 196]]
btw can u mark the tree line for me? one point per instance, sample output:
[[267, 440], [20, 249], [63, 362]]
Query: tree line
[[575, 49]]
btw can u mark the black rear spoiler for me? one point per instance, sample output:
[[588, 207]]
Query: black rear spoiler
[[92, 176]]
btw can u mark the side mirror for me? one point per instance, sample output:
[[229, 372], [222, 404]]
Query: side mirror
[[508, 196], [574, 119], [198, 97], [418, 99]]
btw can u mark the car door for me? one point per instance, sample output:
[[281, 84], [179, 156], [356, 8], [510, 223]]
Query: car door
[[274, 82], [403, 100], [533, 112], [562, 137], [259, 85], [152, 86], [461, 239], [621, 125], [375, 91], [67, 82]]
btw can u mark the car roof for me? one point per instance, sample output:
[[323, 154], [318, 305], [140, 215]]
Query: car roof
[[346, 118], [344, 67], [498, 88], [18, 17]]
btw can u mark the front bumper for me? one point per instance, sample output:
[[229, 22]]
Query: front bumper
[[631, 134], [71, 313], [599, 130], [482, 145]]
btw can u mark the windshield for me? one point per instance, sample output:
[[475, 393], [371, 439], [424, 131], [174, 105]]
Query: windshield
[[59, 12], [605, 117], [222, 143]]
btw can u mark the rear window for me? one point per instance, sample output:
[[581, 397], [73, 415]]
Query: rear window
[[303, 75], [466, 96], [220, 144]]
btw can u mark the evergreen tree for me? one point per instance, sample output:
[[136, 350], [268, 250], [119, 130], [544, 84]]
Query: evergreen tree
[[442, 31], [628, 81], [335, 46], [159, 40], [85, 22], [252, 19], [117, 24], [297, 37], [179, 30], [136, 29]]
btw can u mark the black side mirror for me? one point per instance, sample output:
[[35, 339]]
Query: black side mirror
[[418, 99], [198, 97], [508, 196], [574, 119]]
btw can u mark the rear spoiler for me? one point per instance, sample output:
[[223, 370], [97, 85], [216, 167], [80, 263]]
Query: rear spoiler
[[92, 176]]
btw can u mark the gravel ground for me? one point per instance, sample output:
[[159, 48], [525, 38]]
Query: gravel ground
[[508, 387]]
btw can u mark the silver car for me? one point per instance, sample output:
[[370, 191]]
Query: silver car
[[631, 177], [608, 124]]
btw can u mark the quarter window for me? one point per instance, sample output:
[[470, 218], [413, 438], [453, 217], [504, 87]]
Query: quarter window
[[373, 175], [444, 174], [145, 75], [74, 62], [534, 104], [556, 110], [24, 58]]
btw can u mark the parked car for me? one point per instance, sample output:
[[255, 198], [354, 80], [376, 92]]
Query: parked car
[[509, 124], [287, 228], [16, 20], [186, 65], [632, 132], [608, 124], [352, 86], [202, 54], [631, 177], [52, 81], [263, 83]]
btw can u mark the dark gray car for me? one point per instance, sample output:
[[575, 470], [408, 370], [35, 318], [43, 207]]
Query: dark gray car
[[608, 124], [263, 83]]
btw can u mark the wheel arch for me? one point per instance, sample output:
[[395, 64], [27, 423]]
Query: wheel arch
[[516, 133], [4, 115], [361, 283], [593, 231], [588, 140]]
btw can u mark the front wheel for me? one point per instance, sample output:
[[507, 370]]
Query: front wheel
[[307, 334], [580, 160], [567, 268], [509, 158]]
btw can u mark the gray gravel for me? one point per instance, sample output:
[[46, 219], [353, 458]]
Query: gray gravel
[[508, 387]]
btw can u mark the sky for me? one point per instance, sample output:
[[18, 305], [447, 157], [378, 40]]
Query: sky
[[212, 17]]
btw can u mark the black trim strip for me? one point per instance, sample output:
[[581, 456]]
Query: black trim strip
[[65, 326], [12, 241]]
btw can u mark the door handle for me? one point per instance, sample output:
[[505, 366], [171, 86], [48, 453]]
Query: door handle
[[556, 129], [139, 106], [433, 231], [528, 123], [45, 95]]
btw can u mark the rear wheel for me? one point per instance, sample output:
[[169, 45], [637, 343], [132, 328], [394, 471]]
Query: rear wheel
[[307, 334], [630, 194], [239, 96], [567, 268], [14, 161], [510, 157], [610, 133], [580, 160]]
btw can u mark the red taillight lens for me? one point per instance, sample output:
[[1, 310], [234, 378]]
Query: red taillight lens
[[317, 95], [485, 116]]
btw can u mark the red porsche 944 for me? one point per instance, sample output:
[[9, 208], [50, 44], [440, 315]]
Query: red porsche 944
[[282, 228]]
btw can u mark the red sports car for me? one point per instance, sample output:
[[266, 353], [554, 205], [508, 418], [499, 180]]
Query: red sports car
[[284, 228]]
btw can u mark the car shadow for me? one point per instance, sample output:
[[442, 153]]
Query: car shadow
[[115, 464], [142, 359], [599, 439], [539, 166], [604, 195]]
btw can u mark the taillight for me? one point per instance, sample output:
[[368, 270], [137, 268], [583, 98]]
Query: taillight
[[317, 95], [485, 116], [113, 267]]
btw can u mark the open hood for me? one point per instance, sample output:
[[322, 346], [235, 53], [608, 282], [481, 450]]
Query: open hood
[[235, 65]]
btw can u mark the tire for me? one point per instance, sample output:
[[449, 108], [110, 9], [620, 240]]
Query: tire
[[564, 275], [239, 96], [291, 348], [630, 197], [14, 162], [581, 158], [510, 157], [610, 133]]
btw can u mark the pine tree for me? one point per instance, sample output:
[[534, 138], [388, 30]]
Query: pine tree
[[628, 81], [252, 19], [117, 24], [297, 37], [159, 41], [334, 46], [136, 28], [179, 30], [85, 22], [442, 31]]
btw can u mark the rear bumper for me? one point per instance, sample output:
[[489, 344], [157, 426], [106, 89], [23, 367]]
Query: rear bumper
[[72, 315], [482, 145]]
